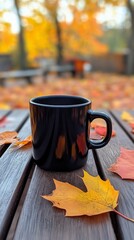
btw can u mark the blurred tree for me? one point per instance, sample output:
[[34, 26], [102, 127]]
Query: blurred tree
[[49, 33], [7, 39], [130, 6], [52, 35], [22, 58], [116, 39], [79, 36], [52, 7], [40, 37], [83, 33]]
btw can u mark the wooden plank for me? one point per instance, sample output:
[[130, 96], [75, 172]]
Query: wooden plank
[[14, 120], [117, 115], [39, 220], [106, 157], [14, 168]]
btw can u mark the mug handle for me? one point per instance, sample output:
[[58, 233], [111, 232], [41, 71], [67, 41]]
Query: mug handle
[[91, 115]]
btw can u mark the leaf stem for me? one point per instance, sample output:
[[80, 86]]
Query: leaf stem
[[122, 215]]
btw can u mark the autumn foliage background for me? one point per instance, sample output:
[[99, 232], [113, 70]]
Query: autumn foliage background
[[65, 31]]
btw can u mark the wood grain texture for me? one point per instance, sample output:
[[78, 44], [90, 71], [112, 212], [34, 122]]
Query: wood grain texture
[[106, 157], [39, 220], [14, 168]]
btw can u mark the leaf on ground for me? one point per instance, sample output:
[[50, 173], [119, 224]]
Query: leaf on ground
[[124, 165], [22, 143], [101, 197], [8, 137]]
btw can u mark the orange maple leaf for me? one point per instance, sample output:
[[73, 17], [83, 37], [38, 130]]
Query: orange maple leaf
[[100, 197], [22, 143], [124, 165], [8, 137]]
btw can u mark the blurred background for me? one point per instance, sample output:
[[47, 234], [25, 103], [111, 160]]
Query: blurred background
[[79, 47]]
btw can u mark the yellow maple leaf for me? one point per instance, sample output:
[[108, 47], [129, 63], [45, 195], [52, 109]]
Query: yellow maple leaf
[[100, 197]]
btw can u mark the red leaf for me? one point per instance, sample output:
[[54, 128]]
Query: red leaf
[[124, 165], [102, 130]]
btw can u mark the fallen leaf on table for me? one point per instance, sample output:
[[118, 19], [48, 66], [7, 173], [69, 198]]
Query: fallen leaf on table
[[126, 116], [26, 141], [102, 130], [100, 197], [8, 137], [124, 165]]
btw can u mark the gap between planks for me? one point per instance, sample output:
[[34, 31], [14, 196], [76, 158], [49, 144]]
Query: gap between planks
[[121, 125], [13, 226], [113, 215]]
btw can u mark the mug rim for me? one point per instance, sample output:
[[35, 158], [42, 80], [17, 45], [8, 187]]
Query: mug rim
[[87, 101]]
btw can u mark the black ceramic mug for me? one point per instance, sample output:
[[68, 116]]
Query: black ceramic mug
[[60, 129]]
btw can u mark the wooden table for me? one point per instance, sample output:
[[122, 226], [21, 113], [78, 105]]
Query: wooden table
[[24, 215]]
